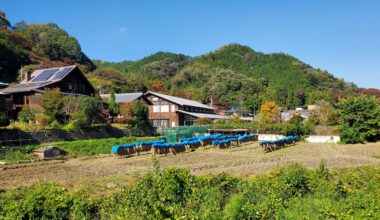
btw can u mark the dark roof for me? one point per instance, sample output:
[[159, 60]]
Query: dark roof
[[3, 85], [39, 79], [180, 101], [124, 97], [236, 111]]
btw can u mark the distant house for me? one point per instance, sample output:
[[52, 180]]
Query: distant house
[[304, 113], [70, 80], [121, 98], [244, 115], [170, 111]]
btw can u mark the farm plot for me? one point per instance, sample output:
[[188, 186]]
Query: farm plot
[[246, 161]]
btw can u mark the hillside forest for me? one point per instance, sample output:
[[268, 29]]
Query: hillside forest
[[231, 76]]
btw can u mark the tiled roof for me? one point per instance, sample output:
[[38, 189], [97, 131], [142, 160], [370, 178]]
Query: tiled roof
[[203, 115], [180, 101], [124, 97], [57, 74]]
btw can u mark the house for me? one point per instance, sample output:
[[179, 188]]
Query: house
[[170, 111], [304, 113], [121, 98], [244, 115], [70, 80]]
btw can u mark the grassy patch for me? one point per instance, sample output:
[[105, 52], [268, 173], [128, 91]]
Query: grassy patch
[[96, 146], [376, 157], [15, 156]]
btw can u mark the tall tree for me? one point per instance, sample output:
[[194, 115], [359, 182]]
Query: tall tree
[[114, 107], [4, 22], [360, 117]]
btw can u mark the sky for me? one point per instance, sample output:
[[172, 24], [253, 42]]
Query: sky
[[340, 36]]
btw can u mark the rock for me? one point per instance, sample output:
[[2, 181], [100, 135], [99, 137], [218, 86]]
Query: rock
[[2, 163]]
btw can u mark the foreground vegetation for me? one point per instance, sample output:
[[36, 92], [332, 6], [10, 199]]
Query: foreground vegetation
[[293, 192]]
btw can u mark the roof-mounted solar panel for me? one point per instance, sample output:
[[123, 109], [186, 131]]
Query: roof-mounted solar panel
[[44, 75], [62, 73]]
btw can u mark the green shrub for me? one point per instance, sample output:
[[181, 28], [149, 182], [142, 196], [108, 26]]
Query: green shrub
[[3, 120], [15, 156], [360, 117], [26, 115], [293, 192]]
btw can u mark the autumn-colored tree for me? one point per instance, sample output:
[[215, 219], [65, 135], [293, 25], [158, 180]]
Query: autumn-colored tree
[[157, 86], [126, 111], [269, 112]]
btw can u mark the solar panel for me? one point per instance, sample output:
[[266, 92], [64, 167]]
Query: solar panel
[[45, 75], [62, 73]]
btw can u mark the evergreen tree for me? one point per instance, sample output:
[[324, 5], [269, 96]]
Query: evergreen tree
[[114, 107]]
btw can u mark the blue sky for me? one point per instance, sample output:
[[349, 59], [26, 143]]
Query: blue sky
[[340, 36]]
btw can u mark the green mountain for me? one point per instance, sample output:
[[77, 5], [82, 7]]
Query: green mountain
[[34, 46], [233, 76]]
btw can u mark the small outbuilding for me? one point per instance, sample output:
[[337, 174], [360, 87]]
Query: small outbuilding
[[47, 152]]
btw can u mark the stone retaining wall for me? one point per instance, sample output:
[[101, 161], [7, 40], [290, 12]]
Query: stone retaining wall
[[15, 137]]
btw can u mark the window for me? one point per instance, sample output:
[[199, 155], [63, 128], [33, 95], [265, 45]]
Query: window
[[154, 99], [189, 120], [160, 123], [156, 108], [173, 108], [164, 108]]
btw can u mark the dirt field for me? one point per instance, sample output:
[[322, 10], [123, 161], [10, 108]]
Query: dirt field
[[106, 171]]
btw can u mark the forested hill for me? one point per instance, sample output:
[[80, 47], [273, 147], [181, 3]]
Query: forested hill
[[234, 75], [34, 46]]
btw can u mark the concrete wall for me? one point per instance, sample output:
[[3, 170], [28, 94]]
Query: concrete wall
[[270, 137], [323, 139], [310, 139]]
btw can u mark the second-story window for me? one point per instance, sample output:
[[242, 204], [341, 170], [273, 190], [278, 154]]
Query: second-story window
[[173, 108], [164, 108], [156, 108]]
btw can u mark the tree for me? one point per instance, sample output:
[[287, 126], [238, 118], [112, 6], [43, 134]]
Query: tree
[[360, 117], [52, 102], [114, 107], [269, 112], [83, 110], [20, 26], [26, 115], [157, 86], [4, 22], [137, 113]]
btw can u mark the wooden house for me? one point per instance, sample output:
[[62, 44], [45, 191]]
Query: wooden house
[[70, 80], [170, 111]]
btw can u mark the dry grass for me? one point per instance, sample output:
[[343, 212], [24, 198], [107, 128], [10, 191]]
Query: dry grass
[[104, 173]]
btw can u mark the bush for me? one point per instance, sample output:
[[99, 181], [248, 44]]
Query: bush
[[360, 117], [42, 120], [3, 120], [26, 115], [293, 192]]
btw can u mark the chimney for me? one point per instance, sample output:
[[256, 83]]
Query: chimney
[[27, 75]]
